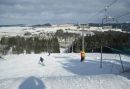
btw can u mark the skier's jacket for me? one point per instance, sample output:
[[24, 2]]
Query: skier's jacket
[[82, 54]]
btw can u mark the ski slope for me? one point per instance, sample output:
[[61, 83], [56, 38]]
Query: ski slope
[[63, 71]]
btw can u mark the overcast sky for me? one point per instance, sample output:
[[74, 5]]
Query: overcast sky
[[59, 11]]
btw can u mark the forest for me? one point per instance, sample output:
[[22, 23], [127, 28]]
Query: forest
[[18, 45], [109, 38]]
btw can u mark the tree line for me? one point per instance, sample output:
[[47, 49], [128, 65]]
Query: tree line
[[109, 38], [18, 45]]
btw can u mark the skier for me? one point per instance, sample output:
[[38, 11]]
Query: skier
[[41, 60], [82, 54], [49, 52]]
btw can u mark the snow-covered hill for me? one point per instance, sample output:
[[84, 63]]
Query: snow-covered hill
[[63, 71], [20, 31]]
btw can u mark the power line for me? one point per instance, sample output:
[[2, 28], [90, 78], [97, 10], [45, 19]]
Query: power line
[[108, 6], [102, 10], [111, 3], [123, 15]]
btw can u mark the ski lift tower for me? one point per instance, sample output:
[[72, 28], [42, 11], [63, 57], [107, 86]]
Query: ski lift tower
[[83, 26], [107, 21]]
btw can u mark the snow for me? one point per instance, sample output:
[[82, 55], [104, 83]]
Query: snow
[[63, 71], [12, 31], [20, 31]]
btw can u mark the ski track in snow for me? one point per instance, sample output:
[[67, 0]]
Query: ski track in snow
[[63, 71]]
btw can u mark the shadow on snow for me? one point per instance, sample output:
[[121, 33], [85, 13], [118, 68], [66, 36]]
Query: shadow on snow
[[92, 67], [32, 83]]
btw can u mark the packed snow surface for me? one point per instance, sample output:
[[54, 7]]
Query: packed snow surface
[[63, 71]]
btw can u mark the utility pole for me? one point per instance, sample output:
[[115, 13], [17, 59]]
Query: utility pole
[[83, 43], [73, 42], [101, 58], [83, 38], [106, 13], [121, 63], [105, 20]]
